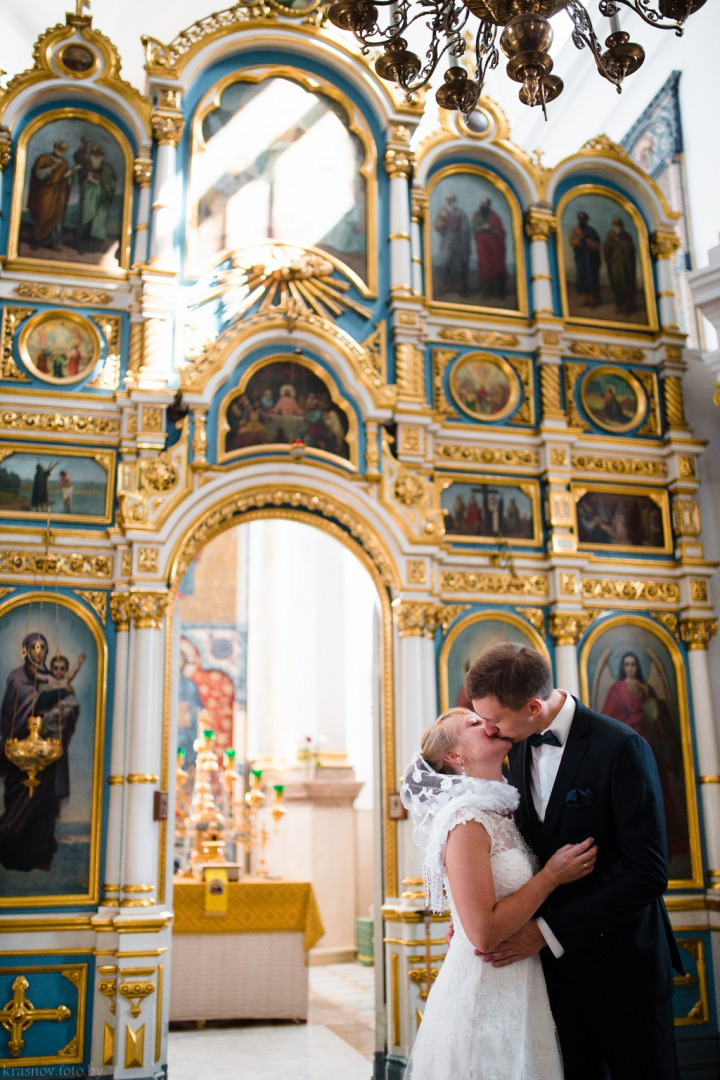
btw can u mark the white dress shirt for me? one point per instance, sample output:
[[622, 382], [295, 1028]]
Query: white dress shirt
[[544, 765]]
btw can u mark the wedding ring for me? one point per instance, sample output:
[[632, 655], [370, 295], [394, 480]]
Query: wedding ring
[[584, 866]]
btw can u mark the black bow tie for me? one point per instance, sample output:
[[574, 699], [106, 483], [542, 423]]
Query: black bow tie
[[548, 738]]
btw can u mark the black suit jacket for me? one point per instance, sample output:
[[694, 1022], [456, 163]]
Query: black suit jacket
[[607, 787]]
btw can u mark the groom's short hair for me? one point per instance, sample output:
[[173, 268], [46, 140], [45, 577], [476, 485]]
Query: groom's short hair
[[510, 672]]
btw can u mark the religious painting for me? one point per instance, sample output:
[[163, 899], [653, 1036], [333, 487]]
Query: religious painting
[[613, 399], [78, 60], [52, 669], [212, 674], [631, 669], [72, 195], [468, 639], [284, 403], [473, 241], [484, 386], [605, 270], [623, 518], [59, 346], [63, 484], [287, 159], [490, 510]]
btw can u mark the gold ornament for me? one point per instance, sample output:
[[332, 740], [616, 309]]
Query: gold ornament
[[33, 753], [167, 129], [540, 224], [421, 618], [697, 633]]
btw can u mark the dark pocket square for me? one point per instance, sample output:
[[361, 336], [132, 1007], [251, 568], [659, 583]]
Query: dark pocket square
[[580, 797]]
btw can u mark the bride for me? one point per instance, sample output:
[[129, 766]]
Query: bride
[[481, 1022]]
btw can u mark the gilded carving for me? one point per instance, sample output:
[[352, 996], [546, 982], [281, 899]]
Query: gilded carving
[[567, 627], [149, 487], [663, 244], [418, 207], [525, 413], [493, 338], [11, 319], [568, 583], [199, 442], [126, 563], [410, 440], [417, 572], [535, 616], [409, 490], [558, 456], [550, 392], [601, 144], [142, 172], [372, 451], [409, 363], [375, 347], [573, 373], [698, 591], [281, 497], [494, 583], [400, 133], [487, 455], [5, 147], [147, 609], [420, 618], [674, 405], [696, 633], [151, 419], [663, 592], [195, 376], [652, 424], [686, 466], [551, 337], [540, 224], [59, 423], [97, 600], [148, 560], [120, 610], [160, 476], [135, 991], [598, 351], [167, 129], [33, 290], [686, 516], [19, 1014], [669, 620], [399, 163], [620, 466], [57, 563], [107, 986], [441, 358]]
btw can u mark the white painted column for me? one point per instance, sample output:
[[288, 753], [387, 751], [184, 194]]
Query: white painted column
[[419, 209], [399, 164], [416, 704], [566, 669], [696, 633], [143, 751], [539, 227], [120, 611], [143, 177], [167, 130], [663, 246]]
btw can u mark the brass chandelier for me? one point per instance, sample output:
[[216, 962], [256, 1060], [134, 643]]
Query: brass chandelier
[[525, 36]]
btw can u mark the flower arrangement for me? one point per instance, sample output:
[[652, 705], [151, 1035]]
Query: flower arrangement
[[308, 752]]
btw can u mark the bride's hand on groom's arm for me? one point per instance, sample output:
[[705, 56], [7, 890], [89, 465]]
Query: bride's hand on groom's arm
[[525, 942]]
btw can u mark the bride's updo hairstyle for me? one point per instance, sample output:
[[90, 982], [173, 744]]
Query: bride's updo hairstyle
[[441, 738]]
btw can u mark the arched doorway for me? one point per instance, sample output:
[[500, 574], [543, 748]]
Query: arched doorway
[[317, 601]]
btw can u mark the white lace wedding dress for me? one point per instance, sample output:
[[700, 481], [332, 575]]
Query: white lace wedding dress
[[481, 1022]]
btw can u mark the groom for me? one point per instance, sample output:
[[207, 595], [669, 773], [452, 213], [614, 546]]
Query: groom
[[606, 943]]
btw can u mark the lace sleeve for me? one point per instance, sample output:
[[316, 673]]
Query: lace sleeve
[[501, 829]]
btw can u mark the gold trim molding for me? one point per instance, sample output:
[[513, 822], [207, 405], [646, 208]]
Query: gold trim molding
[[57, 423], [619, 591], [469, 581], [53, 294], [420, 618], [57, 563]]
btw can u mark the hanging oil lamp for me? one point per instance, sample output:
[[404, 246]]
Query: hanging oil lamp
[[33, 753]]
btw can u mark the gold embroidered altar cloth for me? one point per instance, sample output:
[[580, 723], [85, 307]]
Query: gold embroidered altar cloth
[[254, 906]]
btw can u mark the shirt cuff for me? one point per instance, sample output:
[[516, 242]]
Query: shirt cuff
[[551, 941]]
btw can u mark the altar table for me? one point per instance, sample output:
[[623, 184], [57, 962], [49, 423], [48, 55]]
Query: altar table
[[250, 963]]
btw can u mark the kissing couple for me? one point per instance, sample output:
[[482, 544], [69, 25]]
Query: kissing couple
[[560, 962]]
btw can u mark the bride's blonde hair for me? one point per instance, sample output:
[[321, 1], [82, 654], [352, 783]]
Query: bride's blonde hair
[[439, 739]]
